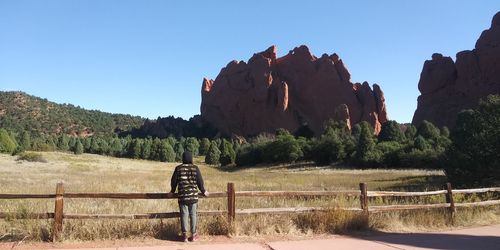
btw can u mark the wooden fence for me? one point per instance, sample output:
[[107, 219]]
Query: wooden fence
[[58, 215]]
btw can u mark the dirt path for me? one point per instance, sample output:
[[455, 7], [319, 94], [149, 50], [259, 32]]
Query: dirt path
[[484, 238]]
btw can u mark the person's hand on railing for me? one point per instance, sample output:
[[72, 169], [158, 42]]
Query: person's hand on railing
[[205, 193]]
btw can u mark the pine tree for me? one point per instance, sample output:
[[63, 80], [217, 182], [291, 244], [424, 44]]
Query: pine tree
[[179, 150], [172, 141], [78, 148], [7, 144], [72, 143], [390, 132], [356, 131], [26, 140], [473, 158], [103, 146], [156, 148], [227, 156], [87, 144], [420, 143], [51, 145], [366, 143], [115, 147], [445, 131], [146, 149], [134, 150], [94, 145], [192, 145], [428, 130], [213, 154], [410, 132], [63, 143], [204, 146], [166, 153]]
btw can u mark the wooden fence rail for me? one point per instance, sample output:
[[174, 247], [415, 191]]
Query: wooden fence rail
[[58, 215]]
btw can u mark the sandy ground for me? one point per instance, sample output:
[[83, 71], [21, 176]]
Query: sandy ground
[[485, 238]]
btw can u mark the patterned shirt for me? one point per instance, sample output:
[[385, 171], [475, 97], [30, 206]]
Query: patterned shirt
[[187, 180]]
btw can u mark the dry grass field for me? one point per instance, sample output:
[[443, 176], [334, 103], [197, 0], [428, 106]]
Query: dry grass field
[[93, 173]]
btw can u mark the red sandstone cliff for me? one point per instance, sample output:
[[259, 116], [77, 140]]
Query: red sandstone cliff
[[448, 87], [297, 89]]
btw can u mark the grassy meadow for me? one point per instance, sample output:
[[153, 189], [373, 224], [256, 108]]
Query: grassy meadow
[[94, 173]]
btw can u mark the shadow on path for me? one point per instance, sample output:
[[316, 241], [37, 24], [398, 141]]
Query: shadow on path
[[438, 240]]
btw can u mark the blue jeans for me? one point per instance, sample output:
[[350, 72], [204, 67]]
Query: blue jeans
[[188, 209]]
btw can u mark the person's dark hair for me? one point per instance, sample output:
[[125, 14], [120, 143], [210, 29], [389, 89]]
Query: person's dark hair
[[187, 157]]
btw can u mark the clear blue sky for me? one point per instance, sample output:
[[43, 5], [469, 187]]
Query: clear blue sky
[[148, 58]]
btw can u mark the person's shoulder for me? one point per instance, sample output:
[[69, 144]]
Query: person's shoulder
[[192, 166]]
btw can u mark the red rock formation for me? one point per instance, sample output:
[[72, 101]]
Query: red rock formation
[[448, 87], [268, 93]]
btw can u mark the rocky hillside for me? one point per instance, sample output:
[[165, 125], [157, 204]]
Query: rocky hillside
[[20, 111], [448, 87], [296, 90]]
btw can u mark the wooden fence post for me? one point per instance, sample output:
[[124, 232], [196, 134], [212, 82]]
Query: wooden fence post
[[231, 202], [58, 212], [449, 199], [363, 198]]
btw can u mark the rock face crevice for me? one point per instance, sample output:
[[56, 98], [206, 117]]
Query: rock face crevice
[[448, 87], [288, 92]]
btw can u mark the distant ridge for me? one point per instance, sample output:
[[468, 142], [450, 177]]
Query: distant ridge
[[23, 112]]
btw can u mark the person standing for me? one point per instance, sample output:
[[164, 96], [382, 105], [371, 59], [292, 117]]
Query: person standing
[[187, 180]]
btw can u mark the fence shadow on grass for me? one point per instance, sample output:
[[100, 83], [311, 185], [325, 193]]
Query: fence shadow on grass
[[288, 166], [416, 183], [297, 166]]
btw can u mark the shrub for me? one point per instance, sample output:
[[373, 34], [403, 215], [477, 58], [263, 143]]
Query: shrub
[[250, 154], [473, 158], [284, 149], [327, 149], [333, 143], [31, 157], [428, 130], [420, 143], [307, 147], [332, 221], [390, 151], [410, 132], [427, 158], [390, 132]]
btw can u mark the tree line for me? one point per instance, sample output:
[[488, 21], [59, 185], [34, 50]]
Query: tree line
[[419, 147], [22, 112], [469, 154]]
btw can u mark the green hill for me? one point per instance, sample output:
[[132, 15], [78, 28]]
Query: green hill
[[22, 112]]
